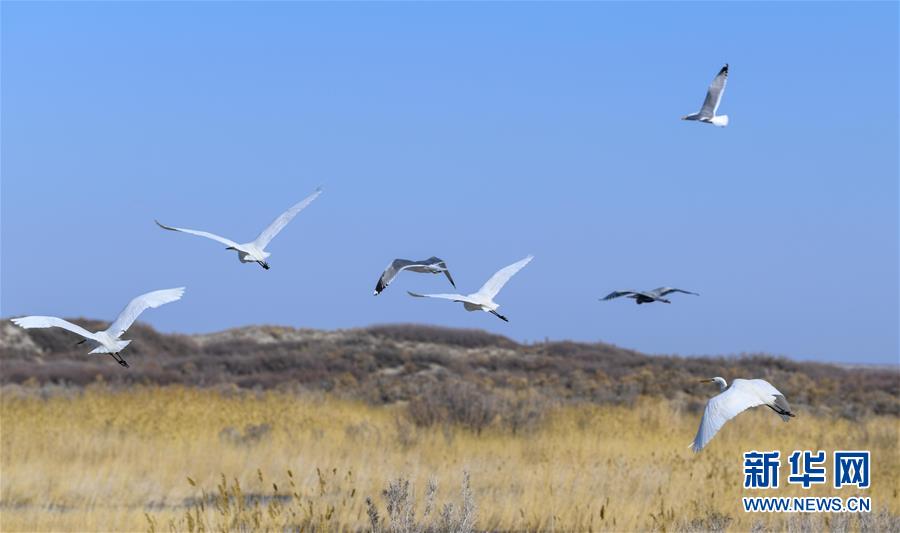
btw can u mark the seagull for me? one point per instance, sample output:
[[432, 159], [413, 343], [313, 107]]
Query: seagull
[[107, 341], [432, 265], [646, 297], [741, 395], [254, 251], [483, 300], [713, 99]]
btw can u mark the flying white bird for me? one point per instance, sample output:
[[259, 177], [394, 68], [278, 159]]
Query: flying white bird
[[646, 297], [107, 341], [432, 265], [483, 300], [713, 99], [255, 251], [741, 395]]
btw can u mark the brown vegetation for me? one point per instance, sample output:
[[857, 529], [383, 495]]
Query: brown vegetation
[[462, 376], [174, 458]]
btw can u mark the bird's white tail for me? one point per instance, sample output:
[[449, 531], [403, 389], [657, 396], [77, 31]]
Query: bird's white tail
[[720, 121], [120, 345]]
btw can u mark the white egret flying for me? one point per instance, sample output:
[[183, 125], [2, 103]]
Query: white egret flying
[[254, 251], [646, 297], [107, 341], [733, 400], [707, 113], [432, 265], [483, 300]]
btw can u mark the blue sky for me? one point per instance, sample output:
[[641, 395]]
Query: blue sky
[[476, 132]]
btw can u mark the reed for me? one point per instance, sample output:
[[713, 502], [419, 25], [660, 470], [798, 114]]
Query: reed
[[190, 459]]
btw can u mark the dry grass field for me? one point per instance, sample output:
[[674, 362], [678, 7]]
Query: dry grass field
[[149, 458]]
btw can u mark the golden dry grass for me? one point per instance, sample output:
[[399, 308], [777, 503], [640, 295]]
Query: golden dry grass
[[101, 459]]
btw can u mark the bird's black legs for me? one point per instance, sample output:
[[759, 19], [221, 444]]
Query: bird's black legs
[[783, 413], [119, 359], [263, 264], [498, 315], [82, 341]]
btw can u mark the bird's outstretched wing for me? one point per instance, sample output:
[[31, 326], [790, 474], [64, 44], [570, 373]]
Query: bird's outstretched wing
[[399, 265], [29, 322], [498, 280], [617, 294], [138, 305], [453, 297], [662, 291], [441, 264], [721, 409], [764, 387], [447, 273], [714, 93], [391, 272], [279, 223], [227, 242]]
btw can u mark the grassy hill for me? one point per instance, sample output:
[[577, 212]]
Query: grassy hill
[[471, 376]]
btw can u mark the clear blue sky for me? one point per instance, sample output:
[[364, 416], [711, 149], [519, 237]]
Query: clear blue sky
[[478, 133]]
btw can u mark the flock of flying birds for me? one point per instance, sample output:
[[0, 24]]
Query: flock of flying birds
[[741, 395]]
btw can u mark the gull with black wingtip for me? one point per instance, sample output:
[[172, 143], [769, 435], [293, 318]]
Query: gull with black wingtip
[[432, 265], [714, 93]]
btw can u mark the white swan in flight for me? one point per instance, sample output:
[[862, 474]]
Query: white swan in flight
[[254, 251], [107, 341], [483, 300], [432, 265], [713, 99], [646, 297], [741, 395]]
